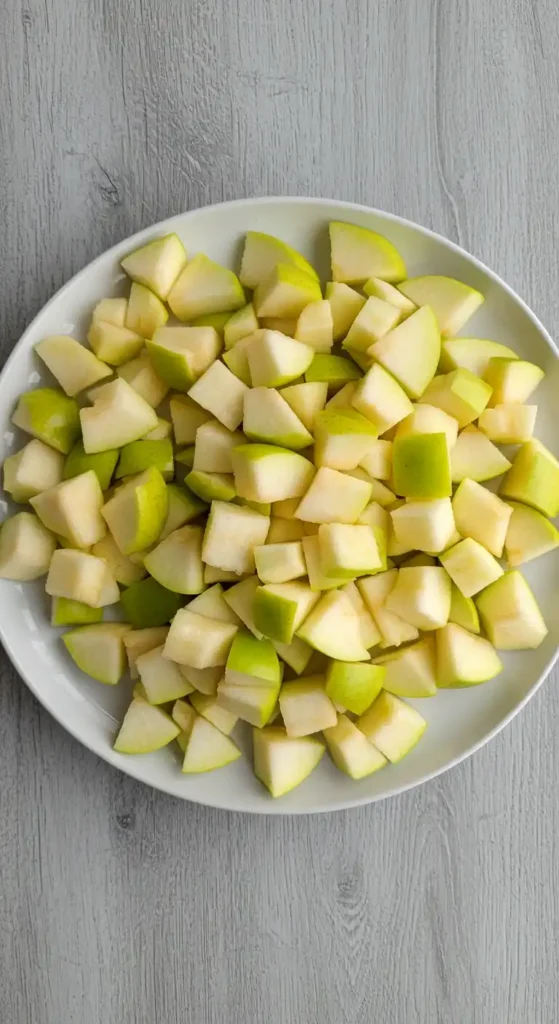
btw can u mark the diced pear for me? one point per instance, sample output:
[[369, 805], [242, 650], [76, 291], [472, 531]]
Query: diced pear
[[161, 678], [112, 344], [211, 486], [176, 562], [411, 351], [26, 547], [464, 659], [377, 461], [66, 612], [374, 320], [98, 650], [510, 615], [267, 473], [187, 416], [345, 304], [463, 611], [180, 355], [253, 704], [421, 466], [240, 599], [472, 354], [33, 469], [475, 457], [239, 325], [119, 415], [470, 566], [354, 686], [156, 264], [198, 641], [145, 729], [305, 707], [230, 536], [358, 254], [145, 312], [333, 628], [421, 596], [334, 497], [424, 525], [370, 634], [306, 400], [112, 311], [221, 393], [347, 551], [350, 750], [208, 708], [512, 380], [50, 416], [141, 376], [529, 535], [148, 604], [282, 763], [427, 419], [73, 365], [534, 479], [137, 512], [315, 326], [409, 672], [342, 438], [261, 255], [460, 394], [381, 399], [269, 418], [392, 726], [285, 292], [205, 287], [140, 641], [480, 514], [452, 302], [279, 563], [279, 609], [207, 748], [509, 424], [283, 531], [335, 371], [140, 455], [73, 509], [274, 359], [102, 463]]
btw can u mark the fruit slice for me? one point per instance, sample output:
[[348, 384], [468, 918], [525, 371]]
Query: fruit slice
[[141, 455], [145, 729], [211, 486], [236, 359], [421, 596], [230, 536], [421, 466], [315, 326], [460, 394], [161, 678], [183, 506], [274, 359], [509, 424], [198, 641], [374, 320], [33, 469], [333, 628], [176, 562], [99, 650], [221, 393], [510, 615], [139, 641], [512, 380], [463, 611], [141, 376], [427, 419], [148, 604], [279, 609], [26, 547], [381, 399], [212, 604], [214, 444], [383, 290], [204, 680], [112, 311], [252, 662], [335, 371], [145, 312], [411, 671], [66, 612], [187, 416], [50, 416], [209, 709], [317, 579], [472, 354], [350, 751], [81, 577], [305, 707], [306, 400], [119, 415], [411, 351], [347, 551], [204, 287], [480, 514], [73, 509], [464, 659], [239, 325], [137, 512], [452, 302], [475, 457], [73, 365], [156, 264], [342, 438], [375, 590], [269, 418], [534, 479], [261, 255], [358, 254], [425, 525], [529, 535], [102, 463], [377, 462], [470, 566], [334, 497], [279, 563], [182, 354], [345, 304], [240, 599], [282, 763], [297, 654], [370, 635], [392, 725], [285, 292], [267, 473], [207, 748], [352, 685], [112, 344]]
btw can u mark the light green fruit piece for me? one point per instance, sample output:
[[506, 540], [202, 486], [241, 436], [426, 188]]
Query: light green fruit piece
[[211, 486], [370, 635], [274, 359], [236, 360], [463, 611], [185, 456], [156, 264], [148, 604], [529, 535], [350, 750], [534, 479], [180, 355], [65, 612], [358, 254], [119, 416], [204, 287], [176, 562], [470, 566], [381, 399], [111, 311], [34, 468], [297, 654], [342, 438], [139, 641], [306, 400], [377, 461], [512, 380], [140, 455], [279, 609], [102, 463], [239, 325], [460, 394], [182, 507], [472, 354], [411, 351], [264, 507], [252, 662], [383, 290], [26, 547], [137, 513], [354, 686], [452, 302], [198, 641], [315, 326], [363, 360], [184, 715], [72, 509], [161, 678], [240, 599], [334, 497], [112, 344], [145, 312], [510, 615], [305, 707], [335, 371], [217, 320], [421, 466], [98, 650], [280, 563], [393, 726], [411, 671], [374, 320], [464, 659], [285, 292], [121, 567], [283, 324], [475, 457], [253, 704], [375, 590], [145, 729], [187, 417], [214, 575], [207, 748], [268, 473], [282, 763], [427, 419], [49, 415], [141, 376], [317, 579], [204, 680], [81, 577], [421, 596], [509, 424], [284, 530], [221, 393], [73, 365], [347, 551], [232, 532], [345, 304], [424, 525], [208, 708], [261, 255], [269, 418], [333, 628], [480, 514], [212, 604]]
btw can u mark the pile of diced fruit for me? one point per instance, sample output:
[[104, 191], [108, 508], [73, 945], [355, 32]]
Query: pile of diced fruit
[[283, 495]]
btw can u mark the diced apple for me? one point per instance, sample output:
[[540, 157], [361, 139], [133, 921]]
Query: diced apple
[[377, 461], [510, 615], [306, 401], [351, 751], [148, 604], [305, 707], [334, 497], [122, 568], [119, 415], [240, 599], [279, 563], [373, 321], [421, 596], [274, 359], [464, 659], [157, 264], [161, 678], [512, 380], [180, 355], [529, 535], [103, 464], [472, 354], [475, 457], [137, 512], [333, 628], [239, 325], [463, 611], [66, 612], [282, 763], [73, 365], [141, 376], [204, 680], [534, 479], [381, 399], [427, 419], [204, 287], [411, 351], [284, 531], [98, 650], [421, 466], [358, 254], [145, 312], [269, 418], [140, 641], [267, 473], [141, 455], [315, 326], [370, 634], [50, 416], [230, 536], [209, 709], [342, 438], [279, 609], [79, 577], [207, 748], [182, 507], [212, 604], [393, 726], [112, 311], [73, 509], [261, 255], [33, 469], [452, 302], [317, 579], [411, 671], [26, 547], [335, 371], [480, 514], [221, 393], [470, 566], [285, 292], [187, 416], [112, 344], [211, 486], [176, 562], [460, 394], [426, 525], [509, 424], [353, 685], [347, 551], [383, 290], [198, 641], [145, 729], [345, 304]]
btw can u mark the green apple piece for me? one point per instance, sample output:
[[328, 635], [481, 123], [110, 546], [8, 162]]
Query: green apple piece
[[148, 604], [230, 536], [335, 371], [411, 671], [424, 525], [472, 354], [180, 355], [198, 641], [204, 680], [377, 461], [221, 393], [98, 650], [283, 324], [475, 457], [421, 596], [264, 507], [282, 763], [380, 495], [529, 535], [111, 311], [204, 287], [285, 292], [347, 551], [534, 479], [121, 568], [261, 255], [145, 729], [342, 438], [72, 509], [140, 641], [240, 599], [393, 726], [463, 611], [145, 312], [352, 685], [101, 463], [370, 635], [214, 575], [297, 654], [350, 750], [480, 514], [182, 507], [176, 562], [208, 708], [280, 563], [379, 289], [35, 468], [49, 415], [306, 400], [305, 707], [274, 359], [136, 514], [452, 302], [460, 394], [73, 365], [185, 456], [254, 704], [315, 326], [186, 416], [268, 473], [283, 531], [211, 486], [381, 399], [375, 590], [81, 577], [421, 466], [373, 321], [358, 254], [217, 320], [512, 380], [207, 748], [510, 615], [252, 662], [334, 497], [112, 344], [411, 351], [66, 612], [470, 566], [239, 325], [236, 360], [333, 628], [317, 579], [427, 419], [285, 509], [212, 604], [156, 264], [509, 424], [119, 416], [345, 304], [214, 445], [141, 455], [161, 678], [184, 715], [395, 547], [279, 609], [141, 376], [26, 547], [269, 418], [464, 659]]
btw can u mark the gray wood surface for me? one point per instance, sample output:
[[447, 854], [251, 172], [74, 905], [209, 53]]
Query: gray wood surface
[[118, 904]]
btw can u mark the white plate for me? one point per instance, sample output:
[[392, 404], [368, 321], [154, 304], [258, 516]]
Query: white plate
[[459, 721]]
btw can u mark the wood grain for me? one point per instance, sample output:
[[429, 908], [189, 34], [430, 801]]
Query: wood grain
[[117, 903]]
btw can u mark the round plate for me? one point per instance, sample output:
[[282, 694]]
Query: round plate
[[459, 721]]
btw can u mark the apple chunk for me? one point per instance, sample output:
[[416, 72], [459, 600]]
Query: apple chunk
[[49, 415], [231, 534], [98, 650], [207, 748], [205, 287], [73, 365], [392, 725], [452, 302], [421, 466], [119, 415], [145, 729], [351, 751], [267, 473], [197, 641], [26, 547], [534, 479], [475, 457], [421, 596], [305, 707], [464, 659], [268, 417], [72, 509], [157, 264], [334, 497], [282, 763], [410, 671], [33, 469], [358, 254], [180, 355], [529, 535], [411, 351], [354, 685], [470, 566], [81, 577], [333, 628], [137, 512], [176, 562], [342, 438], [262, 253], [510, 614], [480, 514]]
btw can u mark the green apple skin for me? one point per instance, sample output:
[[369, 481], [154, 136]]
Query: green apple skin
[[251, 660], [211, 486], [358, 254], [279, 609], [464, 659], [204, 287], [146, 603], [156, 264], [145, 729], [253, 704], [510, 615], [180, 355], [141, 455], [49, 415], [353, 685], [529, 535], [351, 751], [421, 466], [102, 463], [282, 763], [66, 612], [452, 302], [261, 255], [142, 503], [217, 320], [392, 725], [534, 479]]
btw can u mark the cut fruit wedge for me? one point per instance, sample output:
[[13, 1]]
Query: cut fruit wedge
[[315, 326], [358, 254], [161, 678], [460, 394], [529, 535], [239, 325], [421, 466], [512, 380], [221, 393], [427, 419], [285, 292], [353, 685], [452, 302], [411, 671], [305, 707], [33, 469], [72, 509], [66, 612], [207, 748], [231, 534], [157, 264], [342, 438], [383, 290], [334, 497], [112, 311], [261, 255], [470, 566], [333, 628], [463, 611], [269, 418], [137, 512], [306, 400], [279, 609], [282, 763], [148, 604], [181, 354], [534, 479], [26, 547], [187, 417], [268, 473], [211, 486], [99, 650], [411, 351], [392, 725], [274, 359], [138, 456], [345, 304], [205, 287], [510, 615], [141, 376], [335, 371], [372, 323], [176, 562], [119, 415], [112, 344], [49, 415], [381, 399], [140, 641], [421, 596], [509, 424], [73, 365], [472, 354], [475, 457], [480, 514], [351, 751], [464, 659], [209, 708], [197, 641], [145, 729], [145, 312]]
